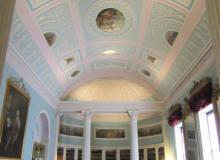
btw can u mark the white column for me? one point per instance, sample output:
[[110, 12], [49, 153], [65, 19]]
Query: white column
[[134, 135], [57, 134], [64, 153], [6, 14], [103, 154], [87, 135], [76, 154], [118, 154]]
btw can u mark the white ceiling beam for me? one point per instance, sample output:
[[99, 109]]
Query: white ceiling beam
[[147, 9], [75, 14], [103, 107]]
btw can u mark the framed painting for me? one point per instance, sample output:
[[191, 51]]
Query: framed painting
[[110, 133], [13, 119], [149, 131]]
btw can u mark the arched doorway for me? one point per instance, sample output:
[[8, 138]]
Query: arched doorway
[[41, 138]]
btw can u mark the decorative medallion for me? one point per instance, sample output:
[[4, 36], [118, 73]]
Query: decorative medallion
[[110, 17], [171, 37], [75, 73], [110, 20], [50, 37], [146, 73]]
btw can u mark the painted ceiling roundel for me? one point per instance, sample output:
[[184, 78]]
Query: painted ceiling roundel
[[110, 20], [110, 17]]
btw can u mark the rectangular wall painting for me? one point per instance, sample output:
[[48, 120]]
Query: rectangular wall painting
[[110, 133], [13, 120], [149, 131], [71, 130]]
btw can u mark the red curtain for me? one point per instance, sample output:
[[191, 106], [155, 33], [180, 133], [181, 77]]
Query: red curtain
[[175, 115], [201, 95]]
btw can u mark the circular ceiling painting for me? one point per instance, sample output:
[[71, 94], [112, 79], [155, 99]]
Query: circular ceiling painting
[[110, 20], [110, 17]]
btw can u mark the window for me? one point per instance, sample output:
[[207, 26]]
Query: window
[[96, 155], [110, 154], [180, 145], [151, 154], [209, 133], [125, 154], [70, 152]]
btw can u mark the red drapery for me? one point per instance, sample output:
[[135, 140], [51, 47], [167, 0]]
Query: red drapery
[[201, 95], [175, 115]]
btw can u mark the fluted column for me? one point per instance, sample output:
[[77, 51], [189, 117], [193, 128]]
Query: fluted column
[[134, 135], [58, 116], [6, 14], [87, 135]]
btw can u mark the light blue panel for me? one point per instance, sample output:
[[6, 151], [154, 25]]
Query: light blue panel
[[189, 53], [111, 143], [58, 20], [171, 141], [37, 104], [110, 64], [34, 5], [188, 4], [71, 121], [25, 46], [150, 140], [63, 139], [163, 19], [150, 121]]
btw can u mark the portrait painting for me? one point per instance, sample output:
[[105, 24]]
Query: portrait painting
[[110, 20], [110, 133], [13, 120]]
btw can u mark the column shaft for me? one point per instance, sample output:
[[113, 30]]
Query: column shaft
[[57, 135], [134, 135], [87, 136]]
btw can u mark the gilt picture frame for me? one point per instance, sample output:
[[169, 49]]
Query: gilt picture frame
[[13, 120]]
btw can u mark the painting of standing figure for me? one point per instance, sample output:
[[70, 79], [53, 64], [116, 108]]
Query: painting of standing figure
[[13, 120]]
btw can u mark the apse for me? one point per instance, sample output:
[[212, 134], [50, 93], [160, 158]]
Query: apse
[[110, 90]]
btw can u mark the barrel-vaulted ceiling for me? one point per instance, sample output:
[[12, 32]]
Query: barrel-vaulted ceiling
[[67, 43]]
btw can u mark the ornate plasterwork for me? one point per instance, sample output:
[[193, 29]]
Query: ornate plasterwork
[[100, 5], [79, 70], [110, 90], [156, 64], [58, 20], [190, 53], [111, 64], [188, 4], [24, 45], [35, 4], [163, 19]]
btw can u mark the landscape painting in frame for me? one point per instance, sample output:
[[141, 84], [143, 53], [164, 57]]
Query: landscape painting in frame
[[13, 120], [110, 133]]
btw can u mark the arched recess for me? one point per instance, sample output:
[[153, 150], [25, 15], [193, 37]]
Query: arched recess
[[41, 137]]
